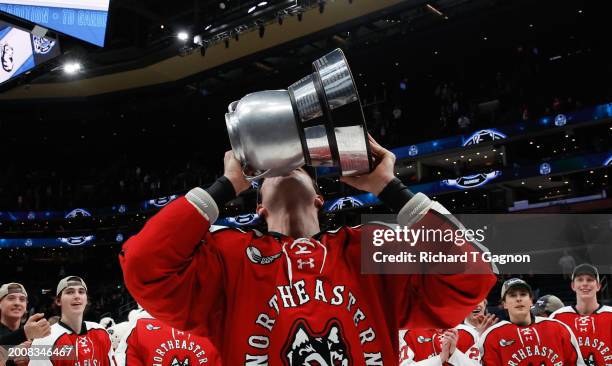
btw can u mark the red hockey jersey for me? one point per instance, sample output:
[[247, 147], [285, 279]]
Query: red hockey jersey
[[418, 345], [91, 347], [149, 342], [593, 332], [544, 342], [268, 299]]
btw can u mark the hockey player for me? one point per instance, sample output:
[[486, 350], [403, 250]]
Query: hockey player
[[479, 319], [434, 347], [151, 342], [525, 340], [294, 295], [73, 342], [590, 321]]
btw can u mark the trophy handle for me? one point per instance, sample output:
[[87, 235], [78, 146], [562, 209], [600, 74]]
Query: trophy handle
[[272, 172], [251, 178]]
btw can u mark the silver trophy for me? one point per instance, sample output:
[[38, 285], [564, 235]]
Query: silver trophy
[[318, 121]]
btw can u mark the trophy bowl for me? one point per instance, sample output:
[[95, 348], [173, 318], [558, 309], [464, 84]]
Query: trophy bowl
[[318, 121]]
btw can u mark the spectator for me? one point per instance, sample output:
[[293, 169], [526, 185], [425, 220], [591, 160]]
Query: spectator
[[567, 263], [13, 305]]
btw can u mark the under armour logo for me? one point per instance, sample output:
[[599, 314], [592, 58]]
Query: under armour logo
[[84, 345], [302, 263], [583, 323]]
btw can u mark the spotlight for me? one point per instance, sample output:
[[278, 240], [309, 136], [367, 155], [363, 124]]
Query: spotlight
[[262, 30], [251, 9], [263, 3], [183, 36], [72, 67]]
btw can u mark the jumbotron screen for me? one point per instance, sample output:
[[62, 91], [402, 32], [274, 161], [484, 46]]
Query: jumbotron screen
[[21, 51], [82, 19]]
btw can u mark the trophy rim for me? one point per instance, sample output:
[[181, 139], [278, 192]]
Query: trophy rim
[[328, 111]]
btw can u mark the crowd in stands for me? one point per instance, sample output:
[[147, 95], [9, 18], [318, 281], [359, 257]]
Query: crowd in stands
[[398, 112]]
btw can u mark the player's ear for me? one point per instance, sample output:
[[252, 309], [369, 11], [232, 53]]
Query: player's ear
[[319, 201], [504, 304], [261, 210]]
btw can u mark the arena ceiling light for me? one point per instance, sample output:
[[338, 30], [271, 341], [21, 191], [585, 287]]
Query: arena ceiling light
[[183, 36], [72, 67], [434, 10], [253, 8]]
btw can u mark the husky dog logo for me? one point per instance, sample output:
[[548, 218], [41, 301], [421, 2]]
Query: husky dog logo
[[345, 203], [545, 169], [42, 45], [176, 362], [6, 56], [590, 360], [560, 120], [77, 213], [413, 150], [483, 136], [327, 348]]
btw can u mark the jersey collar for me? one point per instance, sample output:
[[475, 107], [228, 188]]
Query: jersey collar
[[83, 328], [594, 312]]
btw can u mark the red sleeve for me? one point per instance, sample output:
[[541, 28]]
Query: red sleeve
[[167, 263], [436, 300], [132, 358], [571, 350], [490, 353], [441, 301]]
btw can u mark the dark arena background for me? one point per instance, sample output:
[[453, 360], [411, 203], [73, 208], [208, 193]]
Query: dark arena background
[[490, 106]]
